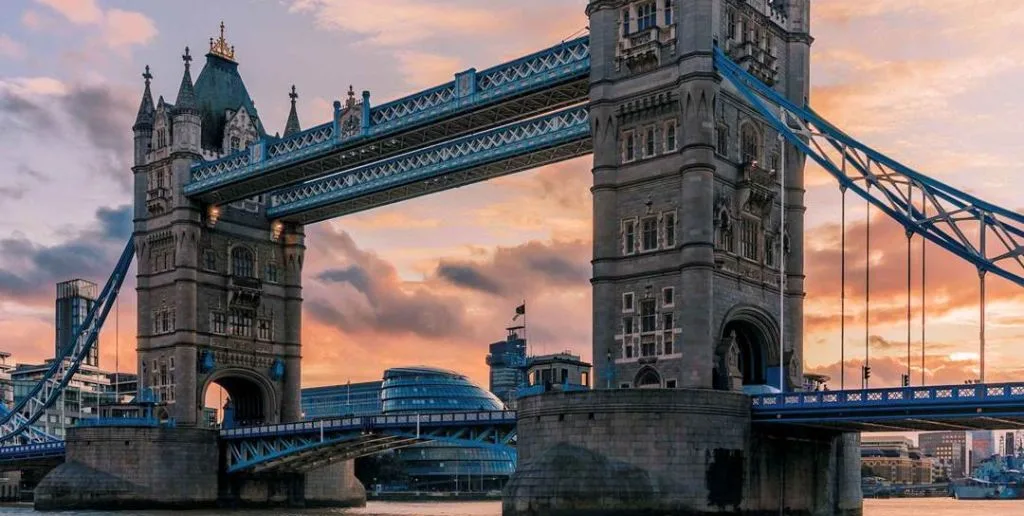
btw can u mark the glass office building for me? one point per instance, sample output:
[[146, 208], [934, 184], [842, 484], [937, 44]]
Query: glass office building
[[433, 466], [507, 361], [351, 399], [74, 300]]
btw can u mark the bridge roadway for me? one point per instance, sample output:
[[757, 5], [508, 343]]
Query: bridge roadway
[[307, 445], [535, 84]]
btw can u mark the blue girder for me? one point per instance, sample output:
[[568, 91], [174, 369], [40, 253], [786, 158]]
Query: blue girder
[[988, 236], [942, 407], [549, 79], [557, 136], [34, 451], [308, 445], [16, 423]]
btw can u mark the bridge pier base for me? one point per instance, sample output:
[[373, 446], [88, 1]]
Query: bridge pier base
[[110, 468], [673, 451]]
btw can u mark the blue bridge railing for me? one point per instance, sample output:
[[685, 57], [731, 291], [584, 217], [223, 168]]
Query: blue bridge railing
[[980, 394]]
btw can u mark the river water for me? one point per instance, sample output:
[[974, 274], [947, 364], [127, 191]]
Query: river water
[[891, 507]]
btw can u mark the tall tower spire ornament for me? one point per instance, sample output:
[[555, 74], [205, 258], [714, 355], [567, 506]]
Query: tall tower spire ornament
[[147, 76], [292, 126], [220, 48]]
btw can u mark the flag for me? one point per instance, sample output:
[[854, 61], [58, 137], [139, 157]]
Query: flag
[[520, 310]]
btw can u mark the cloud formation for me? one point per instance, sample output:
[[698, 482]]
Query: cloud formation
[[119, 29]]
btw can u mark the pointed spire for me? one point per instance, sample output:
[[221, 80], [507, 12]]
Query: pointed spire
[[220, 48], [144, 118], [351, 100], [292, 126], [186, 94]]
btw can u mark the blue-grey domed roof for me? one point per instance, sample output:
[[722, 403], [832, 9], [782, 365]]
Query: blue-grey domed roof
[[429, 389]]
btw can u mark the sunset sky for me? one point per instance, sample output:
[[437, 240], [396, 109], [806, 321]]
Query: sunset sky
[[934, 84]]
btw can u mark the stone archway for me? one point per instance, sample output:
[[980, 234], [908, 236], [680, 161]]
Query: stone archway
[[647, 378], [252, 398], [748, 347]]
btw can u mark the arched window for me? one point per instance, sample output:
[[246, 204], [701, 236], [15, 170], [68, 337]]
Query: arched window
[[648, 378], [243, 263], [750, 142], [236, 143]]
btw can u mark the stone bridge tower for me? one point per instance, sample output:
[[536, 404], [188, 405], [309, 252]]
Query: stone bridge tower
[[688, 254], [687, 237], [219, 287]]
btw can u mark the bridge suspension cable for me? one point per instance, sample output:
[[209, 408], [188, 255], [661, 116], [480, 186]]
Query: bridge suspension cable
[[867, 295], [910, 237], [924, 270], [18, 421], [842, 296]]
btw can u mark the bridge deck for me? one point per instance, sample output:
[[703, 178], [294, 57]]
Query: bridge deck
[[946, 407]]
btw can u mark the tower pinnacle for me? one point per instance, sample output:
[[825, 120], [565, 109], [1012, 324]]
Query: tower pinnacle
[[186, 94], [292, 126], [220, 48], [144, 118]]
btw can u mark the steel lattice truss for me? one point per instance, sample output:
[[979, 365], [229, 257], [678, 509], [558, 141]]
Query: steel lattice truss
[[309, 445], [551, 79], [16, 424], [558, 136], [898, 409], [986, 235]]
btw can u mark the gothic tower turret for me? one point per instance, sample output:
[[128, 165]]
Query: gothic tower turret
[[292, 126], [187, 125], [143, 127]]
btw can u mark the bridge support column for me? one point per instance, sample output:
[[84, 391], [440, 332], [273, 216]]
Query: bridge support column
[[126, 468], [335, 485], [694, 452]]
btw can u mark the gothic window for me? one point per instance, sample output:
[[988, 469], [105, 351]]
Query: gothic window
[[748, 238], [670, 136], [668, 296], [648, 316], [240, 324], [722, 140], [668, 321], [648, 349], [668, 12], [272, 273], [669, 219], [629, 351], [629, 236], [730, 24], [628, 146], [627, 326], [669, 343], [773, 162], [161, 137], [263, 329], [625, 21], [218, 323], [750, 142], [627, 302], [236, 143], [209, 260], [646, 16], [649, 234], [163, 321], [649, 142], [242, 262]]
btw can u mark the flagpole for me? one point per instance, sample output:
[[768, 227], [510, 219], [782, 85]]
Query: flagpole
[[525, 336]]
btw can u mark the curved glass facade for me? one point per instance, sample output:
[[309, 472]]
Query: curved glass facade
[[427, 389], [442, 466]]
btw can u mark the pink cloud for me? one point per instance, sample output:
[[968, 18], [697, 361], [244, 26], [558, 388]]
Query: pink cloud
[[76, 11]]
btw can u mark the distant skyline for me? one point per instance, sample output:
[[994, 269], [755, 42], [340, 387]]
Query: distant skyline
[[433, 280]]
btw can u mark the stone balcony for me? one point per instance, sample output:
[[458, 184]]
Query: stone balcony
[[756, 188], [759, 61], [244, 292], [157, 199], [641, 50]]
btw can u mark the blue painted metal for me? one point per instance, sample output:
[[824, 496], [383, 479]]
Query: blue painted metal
[[306, 444], [517, 139], [46, 391], [534, 390], [536, 72], [141, 422], [988, 236], [32, 451], [991, 406]]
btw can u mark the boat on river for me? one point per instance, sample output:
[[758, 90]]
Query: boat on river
[[996, 478]]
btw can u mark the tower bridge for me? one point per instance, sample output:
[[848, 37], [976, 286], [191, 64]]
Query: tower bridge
[[697, 115]]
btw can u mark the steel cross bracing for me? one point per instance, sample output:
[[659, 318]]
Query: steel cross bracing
[[551, 79], [16, 424], [308, 445], [523, 145], [945, 407], [988, 236]]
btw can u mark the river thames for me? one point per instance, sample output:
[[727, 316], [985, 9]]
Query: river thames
[[891, 507]]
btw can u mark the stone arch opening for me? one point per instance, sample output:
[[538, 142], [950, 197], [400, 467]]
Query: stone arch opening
[[237, 398], [647, 378], [747, 349]]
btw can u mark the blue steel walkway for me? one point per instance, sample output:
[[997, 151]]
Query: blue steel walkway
[[945, 407]]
